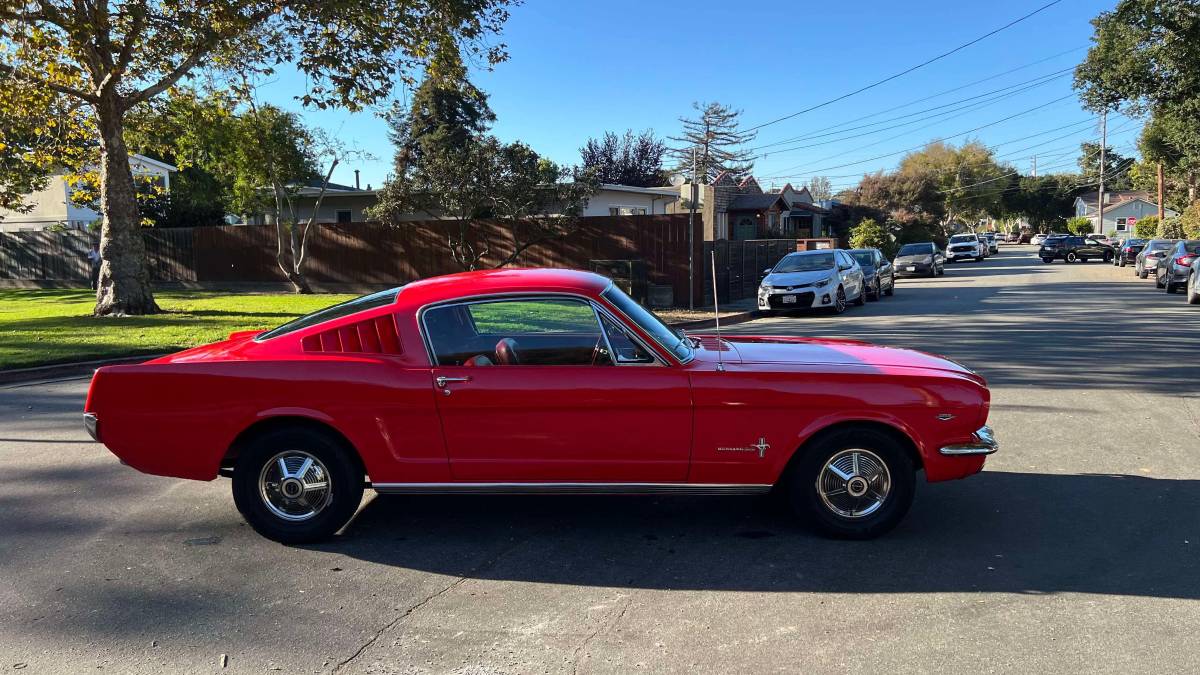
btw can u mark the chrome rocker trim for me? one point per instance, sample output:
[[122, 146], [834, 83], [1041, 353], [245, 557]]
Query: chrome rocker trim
[[985, 444], [570, 488]]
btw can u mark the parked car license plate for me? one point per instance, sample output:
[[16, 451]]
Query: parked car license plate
[[911, 268], [789, 300]]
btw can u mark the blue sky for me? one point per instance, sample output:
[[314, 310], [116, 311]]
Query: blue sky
[[577, 69]]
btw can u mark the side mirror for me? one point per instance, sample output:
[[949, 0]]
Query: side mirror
[[766, 271]]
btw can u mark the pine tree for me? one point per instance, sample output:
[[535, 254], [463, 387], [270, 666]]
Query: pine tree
[[717, 143]]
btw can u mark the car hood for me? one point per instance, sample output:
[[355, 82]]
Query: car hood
[[765, 351], [796, 278]]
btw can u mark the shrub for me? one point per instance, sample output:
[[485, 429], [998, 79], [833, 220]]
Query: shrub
[[1170, 228], [870, 234], [1191, 221], [1146, 228], [1080, 225]]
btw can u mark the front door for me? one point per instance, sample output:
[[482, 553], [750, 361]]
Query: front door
[[528, 390]]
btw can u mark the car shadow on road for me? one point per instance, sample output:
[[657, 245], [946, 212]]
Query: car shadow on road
[[997, 532]]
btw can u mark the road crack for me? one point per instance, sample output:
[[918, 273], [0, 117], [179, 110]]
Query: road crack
[[613, 620]]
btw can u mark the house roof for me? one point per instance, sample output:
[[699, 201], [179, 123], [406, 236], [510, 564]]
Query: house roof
[[153, 162], [754, 202], [811, 208], [664, 191], [1116, 197]]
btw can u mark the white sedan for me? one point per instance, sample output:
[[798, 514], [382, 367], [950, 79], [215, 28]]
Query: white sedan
[[827, 279]]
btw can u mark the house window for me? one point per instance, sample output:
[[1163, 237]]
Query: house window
[[344, 216], [626, 211]]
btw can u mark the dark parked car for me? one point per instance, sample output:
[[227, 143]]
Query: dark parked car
[[878, 272], [1175, 266], [1127, 251], [923, 259], [1073, 248], [1146, 262]]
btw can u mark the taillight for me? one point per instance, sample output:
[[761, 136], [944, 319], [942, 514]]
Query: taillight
[[1185, 260]]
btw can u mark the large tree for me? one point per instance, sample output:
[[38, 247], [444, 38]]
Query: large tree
[[114, 57], [967, 178], [447, 167], [627, 159], [820, 188], [1116, 167], [712, 143]]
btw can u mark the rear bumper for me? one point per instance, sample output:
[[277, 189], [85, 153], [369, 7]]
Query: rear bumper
[[983, 443]]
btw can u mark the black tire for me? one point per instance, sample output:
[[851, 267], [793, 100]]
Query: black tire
[[1143, 273], [839, 301], [978, 258], [1082, 259], [805, 498], [1070, 257], [876, 291], [1171, 288], [342, 473], [862, 298], [1120, 261], [1047, 260], [1108, 256], [1157, 281], [891, 290]]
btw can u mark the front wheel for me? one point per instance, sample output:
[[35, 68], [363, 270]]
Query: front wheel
[[1193, 295], [1071, 257], [1047, 260], [1108, 256], [876, 292], [891, 290], [852, 484], [296, 485], [839, 301], [1120, 261]]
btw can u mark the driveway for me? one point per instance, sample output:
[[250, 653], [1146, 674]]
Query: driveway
[[1077, 549]]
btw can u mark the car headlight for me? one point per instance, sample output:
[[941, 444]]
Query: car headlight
[[928, 260], [824, 282], [766, 288]]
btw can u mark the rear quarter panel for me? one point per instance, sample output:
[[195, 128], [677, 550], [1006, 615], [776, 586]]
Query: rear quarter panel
[[180, 419]]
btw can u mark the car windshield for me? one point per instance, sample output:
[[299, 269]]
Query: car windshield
[[864, 258], [916, 249], [805, 262], [335, 312], [962, 238], [649, 323]]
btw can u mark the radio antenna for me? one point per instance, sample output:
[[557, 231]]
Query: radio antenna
[[717, 311]]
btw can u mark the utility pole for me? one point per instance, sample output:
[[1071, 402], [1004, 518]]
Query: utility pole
[[1103, 146], [1162, 209], [692, 237], [1035, 166]]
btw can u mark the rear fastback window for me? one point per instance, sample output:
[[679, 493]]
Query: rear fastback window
[[1192, 246], [335, 312]]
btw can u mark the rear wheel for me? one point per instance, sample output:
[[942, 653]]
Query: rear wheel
[[1120, 261], [1108, 256], [852, 484], [297, 485], [1143, 273], [1171, 288], [862, 296], [1047, 260]]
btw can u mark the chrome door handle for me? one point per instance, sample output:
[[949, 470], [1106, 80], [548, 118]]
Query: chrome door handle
[[442, 380]]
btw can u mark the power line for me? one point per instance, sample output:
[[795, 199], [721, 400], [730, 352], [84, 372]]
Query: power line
[[972, 107], [908, 70], [837, 128]]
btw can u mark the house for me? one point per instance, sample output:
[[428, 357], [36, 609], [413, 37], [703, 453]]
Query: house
[[346, 204], [341, 203], [1122, 209], [52, 207], [740, 210]]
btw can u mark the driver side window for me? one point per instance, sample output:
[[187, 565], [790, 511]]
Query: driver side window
[[516, 332]]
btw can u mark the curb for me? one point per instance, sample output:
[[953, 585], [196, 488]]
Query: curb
[[57, 370], [741, 317]]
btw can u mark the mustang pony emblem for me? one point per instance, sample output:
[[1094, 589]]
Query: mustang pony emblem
[[760, 447]]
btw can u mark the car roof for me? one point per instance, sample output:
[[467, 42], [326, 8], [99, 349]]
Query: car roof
[[501, 281]]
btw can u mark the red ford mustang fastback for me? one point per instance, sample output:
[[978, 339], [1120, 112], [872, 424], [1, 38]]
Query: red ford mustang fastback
[[539, 381]]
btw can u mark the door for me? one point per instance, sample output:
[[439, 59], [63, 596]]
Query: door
[[850, 274], [534, 390]]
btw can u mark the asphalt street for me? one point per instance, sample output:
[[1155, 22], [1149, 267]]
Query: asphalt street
[[1077, 549]]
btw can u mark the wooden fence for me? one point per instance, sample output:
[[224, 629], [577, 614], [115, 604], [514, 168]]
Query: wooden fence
[[366, 254], [740, 265]]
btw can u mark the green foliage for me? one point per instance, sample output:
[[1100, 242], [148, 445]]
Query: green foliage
[[41, 132], [1116, 167], [1146, 228], [820, 188], [447, 167], [1190, 221], [1170, 228], [1045, 201], [715, 143], [625, 160], [1080, 225], [870, 234]]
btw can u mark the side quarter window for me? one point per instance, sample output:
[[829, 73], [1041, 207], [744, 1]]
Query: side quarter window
[[516, 332]]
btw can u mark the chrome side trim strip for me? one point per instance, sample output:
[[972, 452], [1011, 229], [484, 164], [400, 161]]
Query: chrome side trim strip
[[571, 488], [985, 444]]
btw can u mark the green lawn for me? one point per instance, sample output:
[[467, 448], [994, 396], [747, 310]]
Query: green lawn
[[40, 327]]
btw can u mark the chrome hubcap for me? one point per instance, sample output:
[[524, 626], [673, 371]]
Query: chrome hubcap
[[294, 485], [854, 483]]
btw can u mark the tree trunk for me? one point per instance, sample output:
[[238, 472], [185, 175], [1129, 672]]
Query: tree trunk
[[124, 283]]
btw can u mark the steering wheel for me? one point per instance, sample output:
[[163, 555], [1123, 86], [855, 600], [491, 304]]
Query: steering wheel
[[598, 350]]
